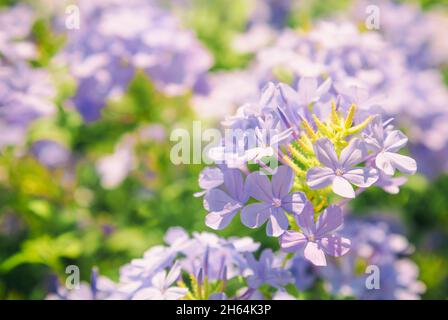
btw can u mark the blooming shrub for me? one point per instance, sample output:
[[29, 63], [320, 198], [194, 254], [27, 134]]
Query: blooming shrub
[[328, 179], [323, 155]]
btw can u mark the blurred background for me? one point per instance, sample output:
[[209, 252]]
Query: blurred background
[[90, 92]]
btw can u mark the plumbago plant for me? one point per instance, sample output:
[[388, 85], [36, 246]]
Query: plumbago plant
[[198, 267], [309, 160]]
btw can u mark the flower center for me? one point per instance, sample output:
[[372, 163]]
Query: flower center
[[339, 172], [277, 202], [311, 238]]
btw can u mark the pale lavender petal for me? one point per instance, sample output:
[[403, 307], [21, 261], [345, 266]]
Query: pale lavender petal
[[292, 241], [148, 294], [353, 154], [175, 293], [216, 199], [383, 163], [294, 202], [362, 177], [173, 274], [394, 141], [282, 181], [305, 220], [259, 187], [324, 87], [314, 254], [159, 280], [175, 234], [390, 184], [218, 220], [343, 188], [335, 246], [255, 214], [402, 163], [277, 224], [388, 162], [318, 178], [324, 150], [375, 136], [234, 183], [329, 221], [210, 178], [307, 90]]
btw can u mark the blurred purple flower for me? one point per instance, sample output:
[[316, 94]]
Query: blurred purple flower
[[161, 286], [103, 56], [51, 153], [267, 270]]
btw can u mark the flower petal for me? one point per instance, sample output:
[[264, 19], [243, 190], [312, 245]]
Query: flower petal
[[234, 183], [324, 150], [318, 178], [292, 241], [175, 293], [329, 221], [307, 90], [343, 188], [402, 163], [305, 219], [255, 214], [382, 162], [282, 181], [395, 140], [388, 162], [314, 254], [277, 224], [210, 178], [148, 294], [173, 274], [259, 187], [216, 199], [294, 202], [218, 220], [335, 246], [353, 154], [362, 177]]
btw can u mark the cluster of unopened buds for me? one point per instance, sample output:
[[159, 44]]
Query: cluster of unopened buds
[[313, 153]]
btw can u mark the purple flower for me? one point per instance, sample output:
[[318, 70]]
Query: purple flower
[[266, 270], [390, 184], [51, 153], [317, 238], [138, 274], [302, 272], [161, 288], [26, 94], [341, 173], [209, 178], [223, 206], [385, 144], [103, 56], [15, 27], [375, 241], [310, 92], [114, 168], [275, 200]]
